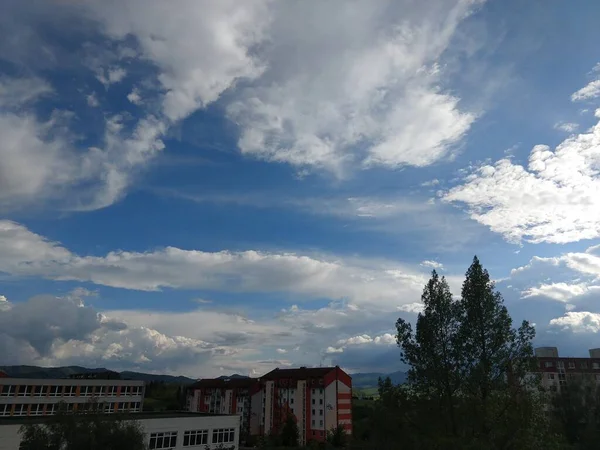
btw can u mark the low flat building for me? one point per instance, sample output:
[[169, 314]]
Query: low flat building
[[168, 431], [41, 397]]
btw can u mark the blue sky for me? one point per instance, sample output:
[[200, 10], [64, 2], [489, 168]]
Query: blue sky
[[203, 187]]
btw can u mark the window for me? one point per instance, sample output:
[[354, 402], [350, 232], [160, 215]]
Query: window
[[70, 391], [320, 422], [110, 408], [37, 410], [166, 439], [195, 437], [38, 391], [111, 391], [7, 390], [24, 391], [55, 391], [5, 410], [561, 364], [598, 377], [136, 390], [223, 435], [595, 366], [135, 407], [313, 423], [122, 406], [321, 391], [50, 409], [551, 376], [571, 365], [20, 410], [320, 401], [584, 365], [291, 401], [85, 391], [125, 390], [320, 412], [313, 412], [313, 401], [548, 364]]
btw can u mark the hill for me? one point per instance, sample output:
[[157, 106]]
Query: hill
[[369, 380], [64, 372]]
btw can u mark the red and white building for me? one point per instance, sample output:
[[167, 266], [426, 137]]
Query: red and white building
[[320, 398]]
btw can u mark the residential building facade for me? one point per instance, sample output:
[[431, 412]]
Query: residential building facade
[[319, 398], [172, 431], [41, 397], [556, 371]]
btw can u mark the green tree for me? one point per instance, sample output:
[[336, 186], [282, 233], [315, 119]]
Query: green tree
[[492, 355], [290, 435], [433, 352], [337, 437], [83, 431]]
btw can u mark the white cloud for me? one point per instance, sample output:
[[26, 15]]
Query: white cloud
[[281, 351], [562, 292], [578, 322], [111, 75], [342, 78], [568, 127], [135, 97], [92, 100], [432, 264], [591, 90], [16, 92], [360, 281], [201, 50], [555, 199], [59, 331]]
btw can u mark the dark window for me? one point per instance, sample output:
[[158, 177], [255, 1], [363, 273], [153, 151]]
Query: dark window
[[166, 439], [195, 437]]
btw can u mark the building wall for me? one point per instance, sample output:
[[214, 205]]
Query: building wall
[[10, 438], [24, 396]]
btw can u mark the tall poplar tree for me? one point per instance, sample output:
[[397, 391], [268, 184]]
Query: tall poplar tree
[[432, 351], [494, 356]]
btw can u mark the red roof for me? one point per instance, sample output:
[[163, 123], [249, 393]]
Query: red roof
[[224, 383], [298, 373]]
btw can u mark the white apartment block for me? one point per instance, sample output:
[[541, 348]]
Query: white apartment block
[[163, 431], [41, 397]]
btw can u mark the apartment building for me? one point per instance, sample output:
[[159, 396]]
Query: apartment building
[[41, 397], [556, 371], [224, 396], [319, 398]]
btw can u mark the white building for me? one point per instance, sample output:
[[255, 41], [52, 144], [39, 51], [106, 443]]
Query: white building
[[168, 431], [41, 397]]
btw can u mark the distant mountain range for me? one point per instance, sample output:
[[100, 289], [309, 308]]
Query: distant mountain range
[[64, 372], [359, 380]]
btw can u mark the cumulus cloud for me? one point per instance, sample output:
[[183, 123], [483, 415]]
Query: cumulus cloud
[[567, 127], [92, 100], [111, 76], [135, 97], [554, 199], [343, 78], [432, 264], [578, 322], [200, 52], [591, 90], [51, 330]]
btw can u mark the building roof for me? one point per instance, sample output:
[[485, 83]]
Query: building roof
[[18, 420], [224, 383], [299, 373]]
